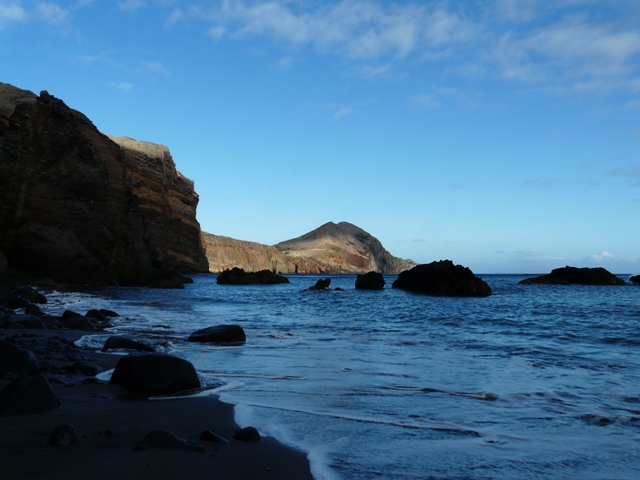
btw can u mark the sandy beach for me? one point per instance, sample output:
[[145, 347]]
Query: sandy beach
[[110, 421]]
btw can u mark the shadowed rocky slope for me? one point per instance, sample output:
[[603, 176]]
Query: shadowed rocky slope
[[331, 248], [77, 206]]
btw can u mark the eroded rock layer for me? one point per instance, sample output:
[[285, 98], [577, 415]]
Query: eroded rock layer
[[80, 207], [331, 248]]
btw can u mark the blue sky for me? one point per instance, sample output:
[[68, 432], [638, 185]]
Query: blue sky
[[501, 134]]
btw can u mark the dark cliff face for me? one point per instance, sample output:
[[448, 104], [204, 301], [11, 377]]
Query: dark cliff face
[[76, 207]]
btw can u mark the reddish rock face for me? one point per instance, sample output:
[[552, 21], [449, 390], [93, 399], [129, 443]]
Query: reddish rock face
[[77, 207]]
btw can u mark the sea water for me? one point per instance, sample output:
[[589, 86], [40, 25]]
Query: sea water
[[535, 381]]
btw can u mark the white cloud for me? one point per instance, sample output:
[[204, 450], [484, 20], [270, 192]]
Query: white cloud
[[602, 256], [124, 86], [11, 13], [50, 12], [285, 62], [343, 112], [217, 32], [173, 18], [426, 100], [131, 5], [155, 67]]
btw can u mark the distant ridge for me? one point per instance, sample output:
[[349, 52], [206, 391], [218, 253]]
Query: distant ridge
[[330, 248]]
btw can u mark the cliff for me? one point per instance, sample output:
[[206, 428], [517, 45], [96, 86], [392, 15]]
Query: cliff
[[332, 248], [77, 206]]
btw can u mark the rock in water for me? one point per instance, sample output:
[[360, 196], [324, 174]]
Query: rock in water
[[155, 374], [219, 334], [635, 279], [442, 278], [27, 396], [237, 276], [579, 276], [321, 284], [122, 342], [63, 435], [370, 281], [15, 362], [167, 440]]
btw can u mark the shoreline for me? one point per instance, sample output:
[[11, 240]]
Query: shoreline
[[111, 420]]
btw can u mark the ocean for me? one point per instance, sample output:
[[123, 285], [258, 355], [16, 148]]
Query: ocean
[[533, 382]]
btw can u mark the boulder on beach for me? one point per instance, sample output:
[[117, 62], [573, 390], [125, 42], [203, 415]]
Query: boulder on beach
[[321, 284], [442, 278], [67, 314], [370, 281], [219, 334], [63, 435], [155, 374], [209, 435], [16, 362], [79, 323], [167, 440], [576, 276], [116, 341], [247, 434], [96, 315], [237, 276], [23, 320], [27, 396], [30, 294]]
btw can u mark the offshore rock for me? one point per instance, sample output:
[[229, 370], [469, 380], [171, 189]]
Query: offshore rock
[[578, 276], [635, 279], [237, 276], [331, 248], [77, 206], [321, 284], [370, 281], [442, 278], [155, 374], [219, 334]]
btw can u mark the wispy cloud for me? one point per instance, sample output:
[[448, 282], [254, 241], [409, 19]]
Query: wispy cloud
[[343, 112], [124, 86], [11, 12], [425, 100], [132, 5], [155, 67], [544, 183], [602, 256], [50, 12], [632, 173], [174, 17]]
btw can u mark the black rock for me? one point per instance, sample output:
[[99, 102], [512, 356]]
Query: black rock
[[15, 362], [126, 343], [108, 313], [23, 320], [15, 302], [79, 322], [167, 440], [635, 279], [86, 368], [370, 281], [30, 294], [578, 276], [321, 284], [97, 315], [63, 435], [442, 278], [247, 434], [34, 310], [237, 276], [219, 334], [27, 396], [69, 314], [211, 436], [155, 374]]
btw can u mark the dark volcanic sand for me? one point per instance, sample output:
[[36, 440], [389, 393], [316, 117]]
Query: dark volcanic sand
[[110, 421]]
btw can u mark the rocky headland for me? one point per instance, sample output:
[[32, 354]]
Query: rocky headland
[[332, 248], [78, 206]]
